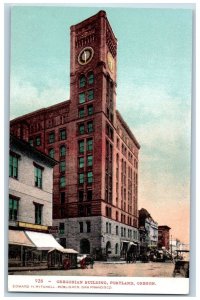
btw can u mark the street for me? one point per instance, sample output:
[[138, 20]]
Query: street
[[151, 269]]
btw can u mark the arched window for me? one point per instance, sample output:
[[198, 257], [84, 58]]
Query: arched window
[[82, 81], [51, 153], [91, 78]]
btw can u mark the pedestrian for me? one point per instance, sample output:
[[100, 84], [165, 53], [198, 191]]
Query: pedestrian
[[91, 262]]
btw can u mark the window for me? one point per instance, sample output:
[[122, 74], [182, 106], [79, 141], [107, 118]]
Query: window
[[38, 213], [13, 165], [13, 208], [89, 177], [51, 153], [63, 135], [108, 212], [89, 195], [62, 151], [81, 162], [88, 210], [90, 126], [61, 228], [81, 129], [62, 166], [38, 176], [106, 227], [81, 211], [91, 78], [31, 142], [81, 178], [63, 242], [88, 224], [90, 110], [117, 230], [117, 215], [109, 228], [81, 227], [122, 231], [51, 137], [116, 248], [90, 95], [89, 145], [38, 141], [81, 98], [80, 196], [81, 146], [89, 160], [62, 197], [81, 112], [82, 81], [62, 181]]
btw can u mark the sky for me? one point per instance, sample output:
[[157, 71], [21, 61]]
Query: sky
[[154, 72]]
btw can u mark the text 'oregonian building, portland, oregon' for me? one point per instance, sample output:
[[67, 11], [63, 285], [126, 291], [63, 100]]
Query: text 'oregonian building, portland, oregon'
[[95, 184]]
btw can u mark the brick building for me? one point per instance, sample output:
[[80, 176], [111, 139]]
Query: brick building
[[163, 236], [95, 191]]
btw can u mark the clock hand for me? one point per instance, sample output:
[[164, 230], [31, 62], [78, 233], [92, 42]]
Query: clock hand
[[85, 56]]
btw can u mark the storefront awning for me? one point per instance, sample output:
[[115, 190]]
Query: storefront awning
[[17, 237], [43, 241], [67, 250]]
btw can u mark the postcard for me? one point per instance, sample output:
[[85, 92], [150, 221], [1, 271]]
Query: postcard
[[99, 152]]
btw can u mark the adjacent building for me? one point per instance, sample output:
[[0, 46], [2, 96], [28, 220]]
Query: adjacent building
[[95, 184], [148, 229], [30, 204], [163, 237]]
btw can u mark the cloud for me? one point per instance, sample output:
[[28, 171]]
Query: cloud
[[25, 97]]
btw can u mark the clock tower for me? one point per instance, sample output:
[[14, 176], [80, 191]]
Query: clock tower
[[93, 64]]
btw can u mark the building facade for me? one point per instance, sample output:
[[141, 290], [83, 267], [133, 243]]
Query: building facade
[[30, 204], [163, 237], [148, 229], [95, 184]]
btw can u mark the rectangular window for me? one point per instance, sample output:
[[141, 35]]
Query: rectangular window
[[61, 228], [89, 177], [62, 182], [81, 98], [91, 78], [81, 129], [81, 162], [106, 227], [89, 145], [63, 134], [13, 166], [62, 151], [122, 231], [62, 166], [81, 178], [38, 176], [80, 196], [89, 160], [81, 146], [38, 141], [62, 197], [38, 213], [81, 112], [90, 127], [90, 110], [88, 224], [117, 230], [13, 208], [31, 142], [89, 195], [88, 210], [90, 95], [51, 137], [109, 228], [81, 227]]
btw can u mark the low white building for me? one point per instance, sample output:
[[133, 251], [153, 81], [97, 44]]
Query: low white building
[[30, 204]]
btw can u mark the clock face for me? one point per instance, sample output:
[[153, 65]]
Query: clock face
[[111, 62], [85, 55]]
